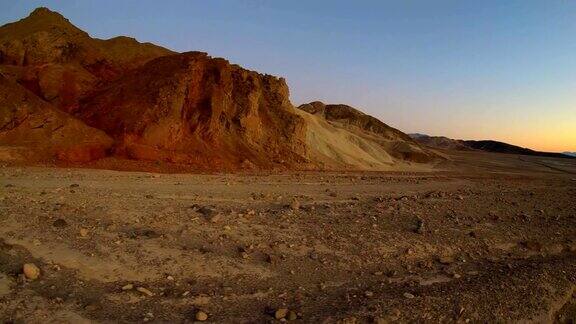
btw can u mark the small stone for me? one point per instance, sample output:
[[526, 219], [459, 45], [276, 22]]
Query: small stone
[[446, 259], [368, 293], [170, 278], [271, 259], [281, 313], [91, 307], [201, 316], [408, 295], [60, 223], [145, 291], [83, 232], [128, 287], [207, 211], [31, 271], [292, 316], [295, 205], [420, 228]]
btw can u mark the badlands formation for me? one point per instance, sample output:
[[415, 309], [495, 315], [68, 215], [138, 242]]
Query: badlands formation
[[67, 97]]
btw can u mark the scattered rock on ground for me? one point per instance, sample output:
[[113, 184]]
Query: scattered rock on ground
[[128, 287], [295, 204], [145, 291], [201, 316], [60, 223], [281, 313], [408, 295], [31, 271]]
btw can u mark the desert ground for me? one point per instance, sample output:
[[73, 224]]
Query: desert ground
[[483, 238]]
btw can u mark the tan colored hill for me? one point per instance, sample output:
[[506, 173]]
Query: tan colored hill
[[32, 129], [340, 136]]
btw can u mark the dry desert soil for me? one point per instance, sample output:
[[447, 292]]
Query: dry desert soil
[[484, 238]]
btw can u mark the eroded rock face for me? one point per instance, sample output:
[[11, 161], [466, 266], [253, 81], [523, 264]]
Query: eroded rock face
[[60, 63], [192, 108], [46, 133], [366, 132]]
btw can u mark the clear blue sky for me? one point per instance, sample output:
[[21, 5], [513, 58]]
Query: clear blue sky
[[503, 70]]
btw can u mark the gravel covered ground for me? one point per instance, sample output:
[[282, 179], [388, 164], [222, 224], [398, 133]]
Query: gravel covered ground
[[494, 241]]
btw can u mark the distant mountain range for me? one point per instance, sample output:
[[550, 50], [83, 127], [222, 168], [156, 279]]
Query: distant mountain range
[[442, 142]]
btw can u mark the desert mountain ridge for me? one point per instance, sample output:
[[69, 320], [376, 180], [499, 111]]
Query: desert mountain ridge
[[441, 142], [120, 98]]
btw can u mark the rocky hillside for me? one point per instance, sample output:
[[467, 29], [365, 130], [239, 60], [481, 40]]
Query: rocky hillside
[[31, 128], [194, 109], [60, 63], [342, 136], [126, 99]]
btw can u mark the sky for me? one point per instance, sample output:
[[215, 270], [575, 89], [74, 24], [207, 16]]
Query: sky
[[485, 69]]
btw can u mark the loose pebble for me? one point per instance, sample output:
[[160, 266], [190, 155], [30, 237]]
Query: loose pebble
[[281, 313], [145, 291], [201, 316], [31, 271]]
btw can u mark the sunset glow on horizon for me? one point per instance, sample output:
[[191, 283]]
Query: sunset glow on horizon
[[476, 70]]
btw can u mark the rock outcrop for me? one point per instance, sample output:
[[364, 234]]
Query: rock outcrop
[[191, 108], [61, 63], [32, 129]]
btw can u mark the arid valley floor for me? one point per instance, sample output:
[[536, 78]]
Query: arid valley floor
[[491, 240]]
